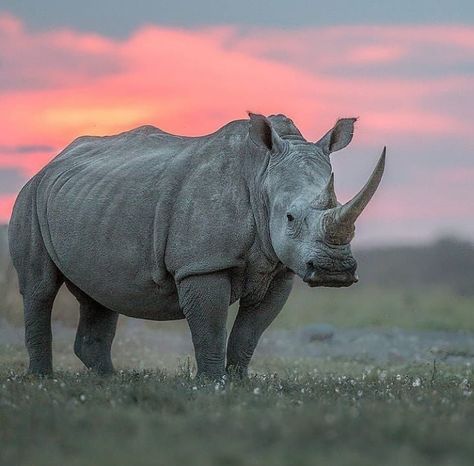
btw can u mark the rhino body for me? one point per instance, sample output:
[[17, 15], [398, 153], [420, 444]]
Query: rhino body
[[158, 226]]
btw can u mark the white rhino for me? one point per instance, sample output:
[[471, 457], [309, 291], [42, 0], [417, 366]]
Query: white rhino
[[161, 227]]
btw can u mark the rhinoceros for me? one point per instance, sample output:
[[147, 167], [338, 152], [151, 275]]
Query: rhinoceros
[[157, 226]]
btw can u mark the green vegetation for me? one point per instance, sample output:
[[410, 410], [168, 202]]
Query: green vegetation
[[433, 309], [430, 309], [346, 415]]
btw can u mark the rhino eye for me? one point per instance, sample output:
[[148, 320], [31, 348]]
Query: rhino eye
[[290, 217]]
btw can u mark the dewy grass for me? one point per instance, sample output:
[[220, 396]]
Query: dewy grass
[[352, 414]]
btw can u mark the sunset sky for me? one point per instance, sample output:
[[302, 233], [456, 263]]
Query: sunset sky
[[406, 70]]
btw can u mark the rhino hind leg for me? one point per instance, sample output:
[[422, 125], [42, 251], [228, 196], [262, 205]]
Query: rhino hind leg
[[38, 277], [95, 333], [39, 286], [38, 336]]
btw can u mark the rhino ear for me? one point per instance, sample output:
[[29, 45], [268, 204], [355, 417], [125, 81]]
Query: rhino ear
[[338, 137], [263, 134]]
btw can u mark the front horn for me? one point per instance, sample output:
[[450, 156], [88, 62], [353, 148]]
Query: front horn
[[348, 213]]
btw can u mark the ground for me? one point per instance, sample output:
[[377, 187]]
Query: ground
[[315, 406], [349, 392], [413, 415]]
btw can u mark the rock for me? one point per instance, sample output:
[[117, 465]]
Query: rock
[[318, 332]]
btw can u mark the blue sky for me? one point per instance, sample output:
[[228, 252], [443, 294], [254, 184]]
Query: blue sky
[[117, 18]]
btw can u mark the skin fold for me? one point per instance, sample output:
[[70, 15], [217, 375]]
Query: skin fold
[[163, 227]]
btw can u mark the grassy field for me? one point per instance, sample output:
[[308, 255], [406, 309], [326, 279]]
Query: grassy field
[[289, 414], [428, 309]]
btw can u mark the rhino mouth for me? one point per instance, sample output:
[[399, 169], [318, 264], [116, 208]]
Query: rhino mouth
[[314, 277]]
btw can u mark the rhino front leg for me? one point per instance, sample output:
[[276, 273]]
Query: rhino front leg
[[204, 300], [252, 320]]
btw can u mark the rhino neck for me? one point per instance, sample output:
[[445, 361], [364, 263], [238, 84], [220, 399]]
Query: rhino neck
[[255, 170]]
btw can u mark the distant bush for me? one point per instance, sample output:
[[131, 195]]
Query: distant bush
[[428, 286], [447, 263]]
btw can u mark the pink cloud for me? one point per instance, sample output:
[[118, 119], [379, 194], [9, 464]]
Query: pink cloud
[[166, 76], [377, 54], [63, 83], [29, 163], [6, 206], [457, 175]]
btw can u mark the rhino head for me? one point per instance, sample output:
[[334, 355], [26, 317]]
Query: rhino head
[[310, 230]]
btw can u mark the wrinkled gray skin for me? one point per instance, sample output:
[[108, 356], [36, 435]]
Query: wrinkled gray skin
[[163, 227]]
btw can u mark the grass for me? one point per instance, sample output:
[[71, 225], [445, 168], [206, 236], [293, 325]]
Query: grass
[[339, 415], [294, 412], [430, 309]]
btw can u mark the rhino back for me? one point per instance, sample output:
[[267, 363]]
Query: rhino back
[[122, 215]]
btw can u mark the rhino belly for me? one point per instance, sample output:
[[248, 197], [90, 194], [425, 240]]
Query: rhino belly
[[124, 288]]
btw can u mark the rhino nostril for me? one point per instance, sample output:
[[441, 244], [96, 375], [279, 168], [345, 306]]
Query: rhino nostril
[[310, 264]]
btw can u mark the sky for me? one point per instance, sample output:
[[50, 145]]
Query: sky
[[405, 69]]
